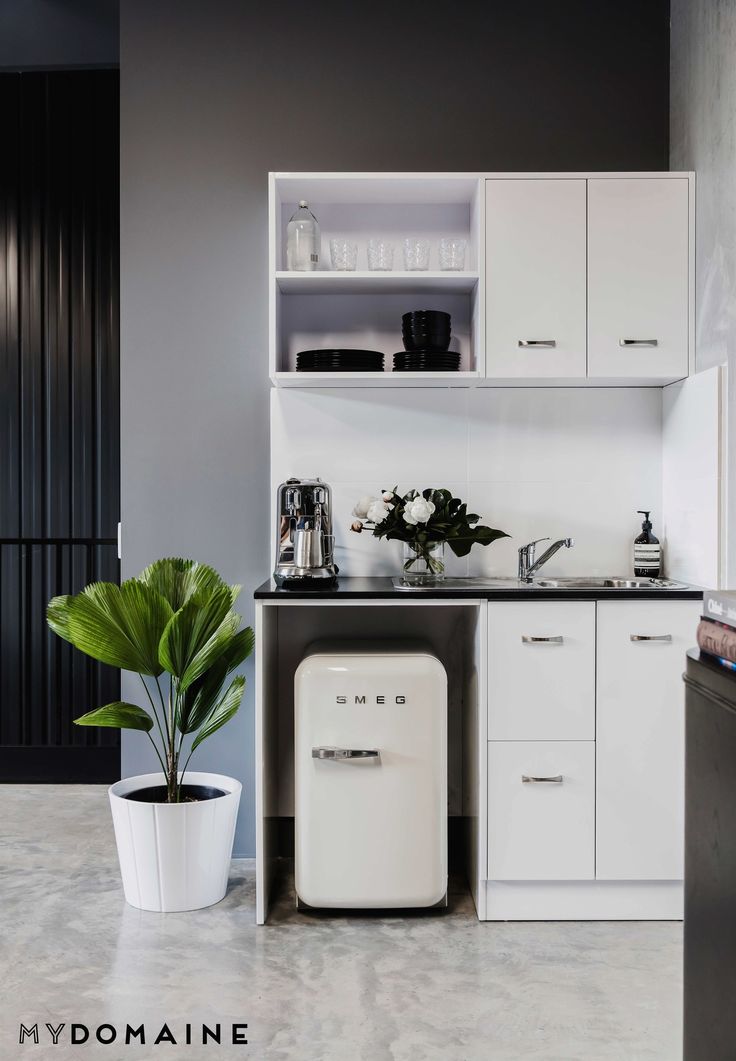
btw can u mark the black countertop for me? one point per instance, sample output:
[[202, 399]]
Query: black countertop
[[365, 588]]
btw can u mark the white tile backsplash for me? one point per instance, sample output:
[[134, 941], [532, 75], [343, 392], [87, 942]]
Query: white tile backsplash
[[563, 435], [378, 436], [534, 462]]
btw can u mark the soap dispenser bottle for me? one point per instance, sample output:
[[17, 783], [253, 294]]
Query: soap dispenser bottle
[[647, 550]]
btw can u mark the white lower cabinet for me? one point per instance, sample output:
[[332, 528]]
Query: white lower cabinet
[[640, 737], [541, 810], [541, 670]]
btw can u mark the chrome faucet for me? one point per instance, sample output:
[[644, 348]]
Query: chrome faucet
[[528, 565]]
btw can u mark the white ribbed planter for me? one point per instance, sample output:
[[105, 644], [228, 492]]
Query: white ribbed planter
[[175, 856]]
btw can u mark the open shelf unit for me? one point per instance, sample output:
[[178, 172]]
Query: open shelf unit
[[363, 309]]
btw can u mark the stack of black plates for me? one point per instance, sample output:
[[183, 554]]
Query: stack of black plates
[[426, 361], [339, 361], [426, 329]]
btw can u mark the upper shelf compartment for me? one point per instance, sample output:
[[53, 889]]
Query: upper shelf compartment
[[362, 309]]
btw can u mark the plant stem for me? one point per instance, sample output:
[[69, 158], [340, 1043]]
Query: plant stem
[[155, 715], [158, 754]]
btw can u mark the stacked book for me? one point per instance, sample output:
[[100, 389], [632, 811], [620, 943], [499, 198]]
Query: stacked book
[[717, 628]]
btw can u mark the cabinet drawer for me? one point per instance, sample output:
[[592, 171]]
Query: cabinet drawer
[[640, 737], [541, 689], [541, 830]]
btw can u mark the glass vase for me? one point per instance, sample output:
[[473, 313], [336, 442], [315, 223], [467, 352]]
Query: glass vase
[[424, 563]]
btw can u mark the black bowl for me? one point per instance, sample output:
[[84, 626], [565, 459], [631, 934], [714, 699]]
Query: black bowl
[[435, 315], [426, 342], [443, 333]]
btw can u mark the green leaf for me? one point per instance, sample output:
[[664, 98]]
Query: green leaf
[[177, 580], [224, 711], [462, 544], [117, 715], [118, 625], [57, 616], [197, 634], [201, 696]]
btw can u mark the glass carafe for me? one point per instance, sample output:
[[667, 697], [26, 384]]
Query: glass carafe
[[303, 240]]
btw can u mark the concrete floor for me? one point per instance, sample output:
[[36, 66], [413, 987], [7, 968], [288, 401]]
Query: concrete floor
[[310, 987]]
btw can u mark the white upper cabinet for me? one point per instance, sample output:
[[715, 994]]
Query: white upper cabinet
[[638, 277], [535, 278], [568, 279]]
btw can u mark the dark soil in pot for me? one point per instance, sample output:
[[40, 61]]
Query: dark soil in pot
[[189, 794]]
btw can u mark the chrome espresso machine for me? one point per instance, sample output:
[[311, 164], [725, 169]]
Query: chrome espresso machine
[[305, 543]]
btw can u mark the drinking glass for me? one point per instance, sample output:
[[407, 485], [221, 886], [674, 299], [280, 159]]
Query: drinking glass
[[452, 253], [344, 254], [416, 253], [380, 255]]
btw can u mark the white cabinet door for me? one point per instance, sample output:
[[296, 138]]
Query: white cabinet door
[[640, 737], [541, 670], [535, 278], [638, 262], [541, 828]]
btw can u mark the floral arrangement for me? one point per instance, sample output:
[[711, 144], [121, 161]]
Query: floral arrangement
[[423, 521]]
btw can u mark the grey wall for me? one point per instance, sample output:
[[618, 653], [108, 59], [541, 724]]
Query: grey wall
[[703, 138], [215, 95], [58, 33]]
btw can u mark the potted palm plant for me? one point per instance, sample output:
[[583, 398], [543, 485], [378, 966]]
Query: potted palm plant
[[174, 626]]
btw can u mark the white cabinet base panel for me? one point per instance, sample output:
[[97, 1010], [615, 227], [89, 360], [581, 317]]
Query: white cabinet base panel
[[583, 901]]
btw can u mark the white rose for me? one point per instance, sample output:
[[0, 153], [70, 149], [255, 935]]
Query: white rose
[[361, 509], [378, 511], [418, 511]]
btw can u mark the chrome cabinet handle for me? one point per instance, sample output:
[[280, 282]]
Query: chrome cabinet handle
[[556, 780], [345, 753], [650, 637], [638, 342], [529, 640], [537, 342]]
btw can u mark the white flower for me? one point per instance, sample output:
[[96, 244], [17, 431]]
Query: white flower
[[418, 511], [361, 508], [378, 511], [388, 495]]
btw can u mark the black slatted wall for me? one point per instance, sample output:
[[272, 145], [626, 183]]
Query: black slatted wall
[[59, 410]]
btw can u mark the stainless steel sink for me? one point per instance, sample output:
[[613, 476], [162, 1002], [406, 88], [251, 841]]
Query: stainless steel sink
[[469, 584], [606, 583]]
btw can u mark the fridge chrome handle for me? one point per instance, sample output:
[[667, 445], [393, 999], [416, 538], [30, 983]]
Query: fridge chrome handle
[[650, 637], [345, 753], [527, 639], [556, 780], [638, 342], [537, 342]]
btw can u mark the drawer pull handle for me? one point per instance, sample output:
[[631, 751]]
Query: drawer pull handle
[[638, 342], [345, 753], [537, 342], [527, 639], [556, 780], [650, 637]]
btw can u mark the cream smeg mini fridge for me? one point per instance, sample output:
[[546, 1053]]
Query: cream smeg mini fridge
[[370, 748]]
